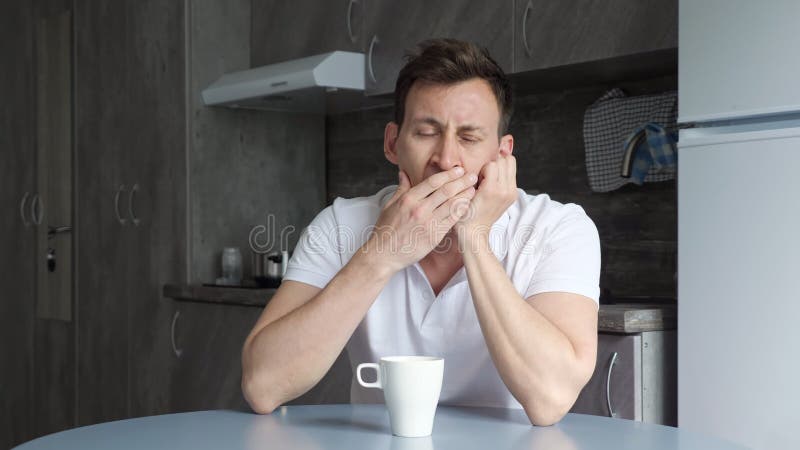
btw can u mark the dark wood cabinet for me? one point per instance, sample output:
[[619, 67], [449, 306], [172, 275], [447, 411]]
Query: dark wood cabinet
[[392, 28], [131, 208], [17, 234], [208, 342], [551, 34], [102, 225], [284, 30]]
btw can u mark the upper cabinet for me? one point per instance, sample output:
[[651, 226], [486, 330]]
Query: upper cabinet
[[521, 35], [392, 28], [556, 33], [284, 30]]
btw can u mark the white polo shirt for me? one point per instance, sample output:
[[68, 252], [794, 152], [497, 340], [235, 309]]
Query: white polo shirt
[[543, 245]]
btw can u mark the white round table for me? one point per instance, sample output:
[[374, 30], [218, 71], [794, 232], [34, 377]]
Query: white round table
[[367, 426]]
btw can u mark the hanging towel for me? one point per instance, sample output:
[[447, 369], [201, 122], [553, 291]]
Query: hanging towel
[[611, 121], [649, 147]]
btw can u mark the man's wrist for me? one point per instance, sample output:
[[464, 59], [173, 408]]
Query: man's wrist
[[368, 259], [473, 238]]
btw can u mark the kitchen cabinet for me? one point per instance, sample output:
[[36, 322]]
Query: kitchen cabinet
[[550, 34], [131, 202], [283, 30], [392, 28], [157, 162], [209, 327], [17, 232], [102, 220], [634, 378], [208, 342]]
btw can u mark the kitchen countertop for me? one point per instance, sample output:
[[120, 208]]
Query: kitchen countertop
[[616, 318], [228, 295]]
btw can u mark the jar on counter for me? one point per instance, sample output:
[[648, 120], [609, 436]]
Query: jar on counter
[[231, 266]]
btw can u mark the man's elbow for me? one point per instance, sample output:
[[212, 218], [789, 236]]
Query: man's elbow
[[260, 402], [549, 412]]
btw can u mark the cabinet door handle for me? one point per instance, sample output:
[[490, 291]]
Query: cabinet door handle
[[22, 214], [611, 412], [353, 37], [528, 9], [369, 58], [177, 351], [135, 220], [37, 210], [120, 219]]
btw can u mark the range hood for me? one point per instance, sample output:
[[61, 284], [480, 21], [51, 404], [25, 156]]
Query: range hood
[[330, 82]]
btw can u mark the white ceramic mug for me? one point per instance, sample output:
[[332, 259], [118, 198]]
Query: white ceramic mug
[[411, 387]]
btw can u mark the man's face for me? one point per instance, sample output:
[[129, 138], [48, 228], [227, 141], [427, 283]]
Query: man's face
[[446, 126]]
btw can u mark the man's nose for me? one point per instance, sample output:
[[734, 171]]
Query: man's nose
[[447, 154]]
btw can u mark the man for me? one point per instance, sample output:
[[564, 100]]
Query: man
[[455, 261]]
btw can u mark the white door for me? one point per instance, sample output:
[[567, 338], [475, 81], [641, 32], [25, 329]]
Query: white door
[[739, 285], [737, 58]]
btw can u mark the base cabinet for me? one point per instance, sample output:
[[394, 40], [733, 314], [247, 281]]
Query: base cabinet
[[206, 372], [634, 378]]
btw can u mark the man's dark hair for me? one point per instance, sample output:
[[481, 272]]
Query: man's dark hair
[[450, 61]]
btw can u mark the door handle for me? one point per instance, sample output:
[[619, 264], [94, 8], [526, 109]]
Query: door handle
[[611, 412], [528, 9], [177, 351], [371, 71], [22, 214], [52, 231], [120, 219], [37, 210], [135, 220], [353, 37]]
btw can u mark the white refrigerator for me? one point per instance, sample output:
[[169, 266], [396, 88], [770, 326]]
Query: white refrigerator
[[739, 221]]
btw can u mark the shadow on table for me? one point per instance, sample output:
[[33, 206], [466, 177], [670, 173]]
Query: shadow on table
[[339, 424], [499, 414]]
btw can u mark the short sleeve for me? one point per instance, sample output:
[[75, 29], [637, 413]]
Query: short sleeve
[[317, 256], [570, 260]]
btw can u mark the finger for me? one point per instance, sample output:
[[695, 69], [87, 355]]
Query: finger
[[403, 185], [489, 172], [454, 209], [434, 182], [512, 164], [449, 190]]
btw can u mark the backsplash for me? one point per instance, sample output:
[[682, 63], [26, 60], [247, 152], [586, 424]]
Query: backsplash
[[637, 225]]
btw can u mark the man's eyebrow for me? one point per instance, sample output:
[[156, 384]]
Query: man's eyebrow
[[428, 121], [470, 127], [431, 121]]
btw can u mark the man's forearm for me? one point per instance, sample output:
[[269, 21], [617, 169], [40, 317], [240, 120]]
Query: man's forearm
[[290, 355], [534, 358]]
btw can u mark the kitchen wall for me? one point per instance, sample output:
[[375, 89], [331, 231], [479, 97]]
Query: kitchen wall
[[637, 225], [242, 165]]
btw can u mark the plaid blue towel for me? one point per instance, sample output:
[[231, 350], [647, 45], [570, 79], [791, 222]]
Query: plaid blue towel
[[608, 124], [654, 148]]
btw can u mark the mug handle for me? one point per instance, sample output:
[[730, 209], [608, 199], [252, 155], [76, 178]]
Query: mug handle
[[377, 383]]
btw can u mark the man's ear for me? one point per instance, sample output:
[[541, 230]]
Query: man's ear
[[390, 141], [506, 145]]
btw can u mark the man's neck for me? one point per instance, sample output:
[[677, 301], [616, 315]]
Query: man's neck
[[441, 264]]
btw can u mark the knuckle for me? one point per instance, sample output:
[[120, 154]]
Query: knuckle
[[450, 190], [404, 202], [417, 213]]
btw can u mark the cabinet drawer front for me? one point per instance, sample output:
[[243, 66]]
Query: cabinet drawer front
[[393, 28], [551, 34], [624, 382]]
